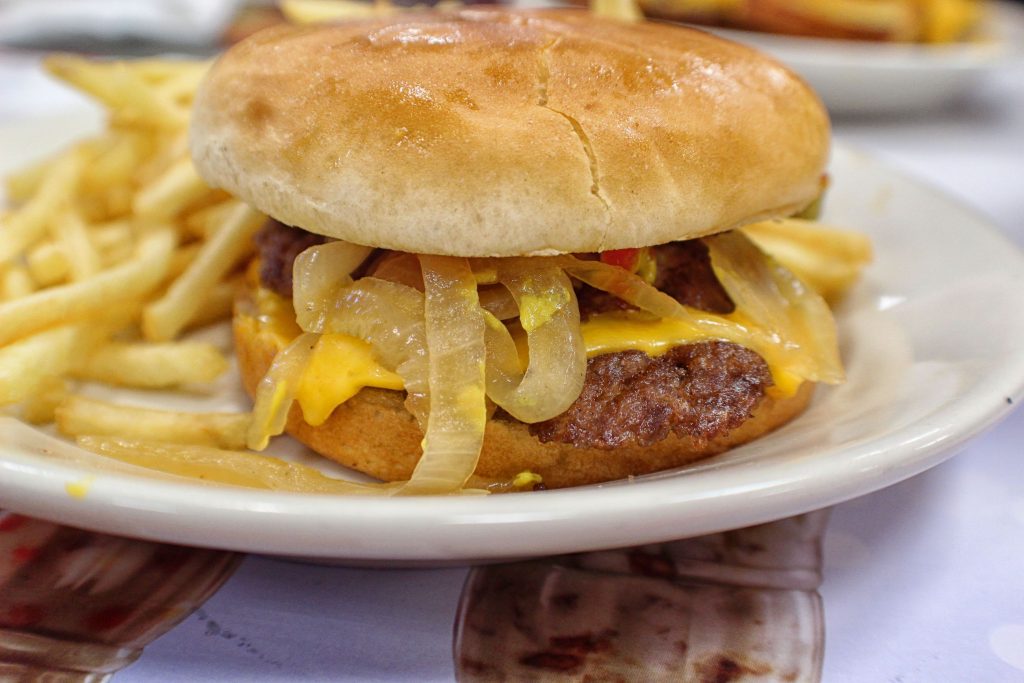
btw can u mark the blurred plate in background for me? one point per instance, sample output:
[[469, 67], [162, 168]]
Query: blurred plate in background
[[856, 78]]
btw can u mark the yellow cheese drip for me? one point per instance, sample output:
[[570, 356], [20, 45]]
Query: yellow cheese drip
[[340, 366]]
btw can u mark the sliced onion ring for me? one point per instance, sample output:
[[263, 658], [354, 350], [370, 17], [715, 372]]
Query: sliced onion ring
[[317, 275], [390, 317], [634, 290], [777, 301], [277, 389], [458, 410], [400, 267], [549, 314], [499, 302]]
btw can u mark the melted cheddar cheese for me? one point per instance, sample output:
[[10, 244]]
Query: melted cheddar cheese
[[341, 365]]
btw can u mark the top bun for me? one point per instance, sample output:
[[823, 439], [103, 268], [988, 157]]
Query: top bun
[[491, 132]]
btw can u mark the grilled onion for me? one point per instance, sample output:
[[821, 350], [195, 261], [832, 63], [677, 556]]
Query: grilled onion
[[776, 316], [455, 342], [390, 317], [776, 301], [549, 314], [318, 273], [277, 389], [401, 268]]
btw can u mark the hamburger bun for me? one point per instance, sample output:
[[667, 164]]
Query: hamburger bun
[[490, 132]]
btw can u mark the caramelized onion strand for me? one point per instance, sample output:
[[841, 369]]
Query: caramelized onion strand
[[455, 342]]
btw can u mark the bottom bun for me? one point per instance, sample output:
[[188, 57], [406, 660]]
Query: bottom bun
[[373, 432]]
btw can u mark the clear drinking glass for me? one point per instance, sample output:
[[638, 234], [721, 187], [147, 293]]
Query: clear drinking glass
[[78, 606]]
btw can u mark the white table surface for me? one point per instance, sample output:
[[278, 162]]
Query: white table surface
[[924, 581]]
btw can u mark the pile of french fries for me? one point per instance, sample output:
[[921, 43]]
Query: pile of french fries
[[109, 252], [114, 247]]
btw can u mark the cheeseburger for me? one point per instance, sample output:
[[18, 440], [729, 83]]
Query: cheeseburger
[[503, 245]]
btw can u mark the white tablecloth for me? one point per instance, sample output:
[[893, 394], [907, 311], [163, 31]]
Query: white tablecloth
[[923, 581]]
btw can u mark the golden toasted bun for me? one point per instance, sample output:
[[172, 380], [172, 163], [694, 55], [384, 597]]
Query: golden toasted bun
[[373, 432], [501, 133]]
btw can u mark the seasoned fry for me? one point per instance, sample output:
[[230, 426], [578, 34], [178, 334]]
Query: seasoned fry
[[82, 300], [165, 318], [240, 468], [31, 364], [154, 365], [79, 415]]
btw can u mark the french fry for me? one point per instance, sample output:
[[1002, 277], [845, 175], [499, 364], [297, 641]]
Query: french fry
[[153, 365], [16, 282], [325, 11], [204, 222], [92, 297], [183, 258], [216, 305], [117, 165], [47, 264], [113, 234], [168, 148], [79, 415], [172, 192], [29, 365], [156, 71], [119, 87], [166, 317], [239, 468], [322, 11], [623, 10], [82, 257], [25, 182], [828, 259], [26, 225], [181, 86], [39, 407]]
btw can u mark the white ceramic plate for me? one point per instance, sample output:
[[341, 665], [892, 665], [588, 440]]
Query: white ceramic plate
[[854, 77], [931, 339]]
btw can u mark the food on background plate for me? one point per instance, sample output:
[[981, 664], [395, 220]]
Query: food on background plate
[[922, 21], [526, 220], [116, 248]]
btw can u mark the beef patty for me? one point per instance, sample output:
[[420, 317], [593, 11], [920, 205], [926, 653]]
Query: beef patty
[[278, 245], [629, 398], [701, 390]]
